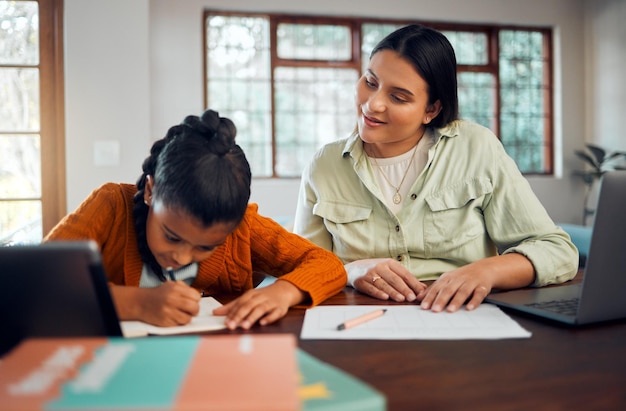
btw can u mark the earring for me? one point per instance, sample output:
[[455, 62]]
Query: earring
[[146, 203]]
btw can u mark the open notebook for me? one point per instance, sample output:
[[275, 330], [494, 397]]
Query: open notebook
[[204, 321], [600, 297]]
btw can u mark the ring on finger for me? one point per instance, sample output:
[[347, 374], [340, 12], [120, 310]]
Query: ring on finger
[[375, 278]]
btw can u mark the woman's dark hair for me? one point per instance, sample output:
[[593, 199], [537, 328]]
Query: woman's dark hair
[[196, 168], [432, 55]]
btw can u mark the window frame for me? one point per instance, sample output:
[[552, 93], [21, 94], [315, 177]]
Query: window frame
[[52, 88], [491, 31]]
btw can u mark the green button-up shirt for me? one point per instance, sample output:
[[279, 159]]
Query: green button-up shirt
[[469, 202]]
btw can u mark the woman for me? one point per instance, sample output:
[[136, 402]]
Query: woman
[[417, 194], [186, 230]]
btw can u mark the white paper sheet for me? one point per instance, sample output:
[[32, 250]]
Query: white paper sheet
[[204, 321], [410, 322]]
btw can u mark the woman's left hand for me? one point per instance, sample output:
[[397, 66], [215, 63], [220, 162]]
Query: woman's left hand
[[455, 288], [471, 283], [264, 305]]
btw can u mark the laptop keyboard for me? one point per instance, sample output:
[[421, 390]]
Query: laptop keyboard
[[565, 307]]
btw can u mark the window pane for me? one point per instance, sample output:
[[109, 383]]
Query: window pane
[[522, 137], [20, 222], [19, 32], [477, 97], [238, 47], [314, 106], [19, 93], [238, 81], [314, 42], [470, 47], [20, 168], [522, 94], [254, 135], [518, 43]]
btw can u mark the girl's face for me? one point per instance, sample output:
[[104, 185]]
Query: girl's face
[[177, 239], [392, 104]]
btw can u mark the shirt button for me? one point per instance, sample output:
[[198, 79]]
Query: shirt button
[[397, 228], [399, 258], [413, 196]]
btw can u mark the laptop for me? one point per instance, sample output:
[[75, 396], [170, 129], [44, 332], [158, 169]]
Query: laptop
[[601, 296], [55, 289]]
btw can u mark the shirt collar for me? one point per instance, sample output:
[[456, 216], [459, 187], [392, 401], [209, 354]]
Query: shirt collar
[[353, 147], [449, 130]]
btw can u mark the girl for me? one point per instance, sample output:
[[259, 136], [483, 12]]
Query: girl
[[186, 230]]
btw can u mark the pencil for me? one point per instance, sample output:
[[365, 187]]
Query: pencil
[[170, 273], [361, 319]]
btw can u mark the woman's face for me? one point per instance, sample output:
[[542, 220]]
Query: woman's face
[[392, 104]]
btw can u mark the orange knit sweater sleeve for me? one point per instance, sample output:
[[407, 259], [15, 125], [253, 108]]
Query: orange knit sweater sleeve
[[286, 255]]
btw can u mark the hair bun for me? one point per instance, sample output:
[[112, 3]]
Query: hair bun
[[211, 118], [218, 131]]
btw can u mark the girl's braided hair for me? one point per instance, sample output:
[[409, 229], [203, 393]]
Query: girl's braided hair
[[197, 168]]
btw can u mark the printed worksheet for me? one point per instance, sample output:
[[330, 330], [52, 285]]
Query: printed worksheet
[[409, 322]]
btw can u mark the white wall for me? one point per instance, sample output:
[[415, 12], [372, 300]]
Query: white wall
[[606, 65], [134, 68], [107, 92]]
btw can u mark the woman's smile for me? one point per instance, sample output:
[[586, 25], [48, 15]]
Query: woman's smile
[[371, 121]]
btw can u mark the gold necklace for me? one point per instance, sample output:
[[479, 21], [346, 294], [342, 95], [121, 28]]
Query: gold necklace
[[397, 197]]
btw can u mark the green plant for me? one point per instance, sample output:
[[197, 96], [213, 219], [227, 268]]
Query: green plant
[[598, 161]]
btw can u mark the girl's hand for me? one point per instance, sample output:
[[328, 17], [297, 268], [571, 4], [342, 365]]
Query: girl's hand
[[172, 303], [264, 305]]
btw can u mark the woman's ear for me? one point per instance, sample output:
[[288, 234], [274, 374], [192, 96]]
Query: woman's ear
[[147, 192], [432, 111]]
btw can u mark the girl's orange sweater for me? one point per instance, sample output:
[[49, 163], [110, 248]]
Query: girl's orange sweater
[[258, 244]]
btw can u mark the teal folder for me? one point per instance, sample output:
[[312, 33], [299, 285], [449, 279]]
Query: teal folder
[[324, 387]]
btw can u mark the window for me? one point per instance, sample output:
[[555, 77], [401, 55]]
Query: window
[[32, 179], [288, 83]]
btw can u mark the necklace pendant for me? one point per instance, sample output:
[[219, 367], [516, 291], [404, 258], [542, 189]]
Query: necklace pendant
[[397, 198]]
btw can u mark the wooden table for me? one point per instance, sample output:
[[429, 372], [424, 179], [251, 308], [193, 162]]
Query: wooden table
[[558, 368]]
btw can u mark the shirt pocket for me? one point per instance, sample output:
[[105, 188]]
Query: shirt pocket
[[454, 218], [350, 228]]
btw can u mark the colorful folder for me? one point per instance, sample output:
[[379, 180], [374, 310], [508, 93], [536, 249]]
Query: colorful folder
[[177, 373], [230, 372]]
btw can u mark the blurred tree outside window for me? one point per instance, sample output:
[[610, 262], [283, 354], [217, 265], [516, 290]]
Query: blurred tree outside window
[[288, 83]]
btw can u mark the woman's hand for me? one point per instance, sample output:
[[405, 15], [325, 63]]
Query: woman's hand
[[471, 283], [384, 278], [172, 303], [455, 288], [264, 305]]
